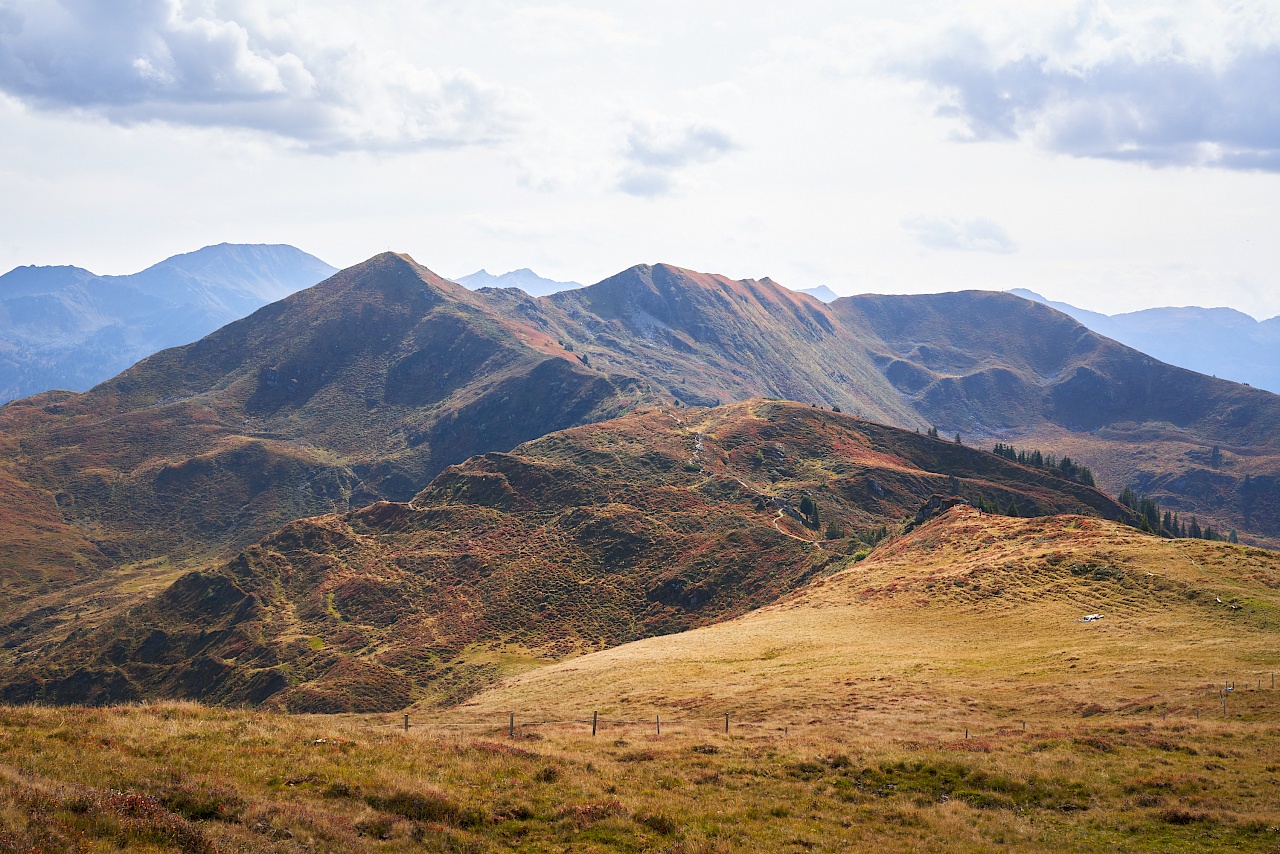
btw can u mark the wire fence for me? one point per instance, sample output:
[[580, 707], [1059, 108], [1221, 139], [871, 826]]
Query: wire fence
[[1191, 705]]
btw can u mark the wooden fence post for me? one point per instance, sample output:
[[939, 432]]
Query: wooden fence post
[[406, 723], [658, 720], [511, 731], [726, 723], [594, 717]]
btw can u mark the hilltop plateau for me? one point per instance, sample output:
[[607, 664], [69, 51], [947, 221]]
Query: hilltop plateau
[[586, 538]]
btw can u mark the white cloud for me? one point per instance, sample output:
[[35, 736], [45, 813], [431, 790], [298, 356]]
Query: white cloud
[[975, 235], [243, 66], [657, 151], [1153, 88]]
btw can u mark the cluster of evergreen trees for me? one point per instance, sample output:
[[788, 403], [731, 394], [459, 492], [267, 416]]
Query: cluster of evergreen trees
[[1167, 524], [993, 506], [1065, 467]]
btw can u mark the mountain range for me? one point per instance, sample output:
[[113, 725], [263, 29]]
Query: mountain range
[[67, 328], [134, 508], [524, 279], [1221, 342]]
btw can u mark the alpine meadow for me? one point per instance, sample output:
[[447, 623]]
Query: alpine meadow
[[896, 548]]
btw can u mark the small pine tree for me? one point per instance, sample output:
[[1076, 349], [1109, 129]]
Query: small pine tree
[[1128, 499], [958, 442], [1194, 531], [933, 432], [1233, 537]]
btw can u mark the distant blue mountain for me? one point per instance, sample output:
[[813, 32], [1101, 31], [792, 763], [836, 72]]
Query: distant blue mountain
[[821, 292], [1221, 342], [64, 327], [524, 279]]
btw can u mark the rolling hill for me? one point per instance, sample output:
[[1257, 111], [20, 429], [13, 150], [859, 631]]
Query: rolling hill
[[943, 694], [66, 328], [368, 385], [649, 524], [969, 618], [371, 383]]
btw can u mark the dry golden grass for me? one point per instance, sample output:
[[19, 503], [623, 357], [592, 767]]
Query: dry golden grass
[[849, 706], [970, 620]]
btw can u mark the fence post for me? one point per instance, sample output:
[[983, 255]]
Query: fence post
[[406, 723], [726, 723], [966, 732], [511, 731], [594, 717], [658, 720]]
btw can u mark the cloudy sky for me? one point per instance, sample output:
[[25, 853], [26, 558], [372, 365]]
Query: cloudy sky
[[1114, 155]]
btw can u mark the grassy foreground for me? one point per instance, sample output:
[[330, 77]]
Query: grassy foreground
[[188, 778], [943, 694]]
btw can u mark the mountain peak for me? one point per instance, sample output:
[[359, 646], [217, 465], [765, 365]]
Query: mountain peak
[[31, 279], [524, 278]]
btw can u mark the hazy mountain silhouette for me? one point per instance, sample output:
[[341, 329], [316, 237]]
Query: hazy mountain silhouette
[[524, 279], [821, 292], [1221, 342], [66, 328]]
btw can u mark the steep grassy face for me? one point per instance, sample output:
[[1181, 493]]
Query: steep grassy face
[[994, 366], [587, 538]]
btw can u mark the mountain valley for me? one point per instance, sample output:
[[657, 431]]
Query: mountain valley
[[766, 526]]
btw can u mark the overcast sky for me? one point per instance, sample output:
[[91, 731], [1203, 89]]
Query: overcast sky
[[1113, 155]]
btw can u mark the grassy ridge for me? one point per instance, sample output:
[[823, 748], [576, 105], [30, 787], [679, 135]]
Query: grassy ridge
[[588, 538]]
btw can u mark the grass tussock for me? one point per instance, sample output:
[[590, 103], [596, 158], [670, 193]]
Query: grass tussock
[[190, 779]]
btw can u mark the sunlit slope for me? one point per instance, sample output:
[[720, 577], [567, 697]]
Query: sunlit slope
[[970, 617], [653, 523]]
